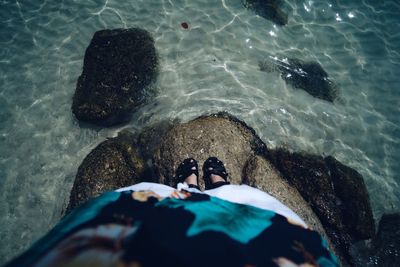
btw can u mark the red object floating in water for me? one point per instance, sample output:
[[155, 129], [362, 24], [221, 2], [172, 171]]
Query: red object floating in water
[[185, 25]]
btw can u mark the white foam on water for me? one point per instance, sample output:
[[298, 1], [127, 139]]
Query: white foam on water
[[211, 66]]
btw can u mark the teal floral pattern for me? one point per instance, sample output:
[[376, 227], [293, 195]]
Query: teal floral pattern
[[186, 229], [240, 222]]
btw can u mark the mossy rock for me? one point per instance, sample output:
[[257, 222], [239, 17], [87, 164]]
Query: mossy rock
[[118, 66]]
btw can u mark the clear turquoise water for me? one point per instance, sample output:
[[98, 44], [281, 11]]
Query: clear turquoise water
[[212, 66]]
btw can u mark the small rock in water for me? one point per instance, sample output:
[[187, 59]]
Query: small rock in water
[[118, 65], [267, 9], [309, 76], [185, 25]]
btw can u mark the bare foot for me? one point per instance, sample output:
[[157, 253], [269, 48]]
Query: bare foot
[[192, 179], [215, 178]]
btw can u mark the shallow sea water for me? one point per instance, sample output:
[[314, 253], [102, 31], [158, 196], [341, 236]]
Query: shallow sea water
[[210, 67]]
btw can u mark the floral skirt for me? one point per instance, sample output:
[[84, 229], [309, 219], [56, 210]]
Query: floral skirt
[[141, 228]]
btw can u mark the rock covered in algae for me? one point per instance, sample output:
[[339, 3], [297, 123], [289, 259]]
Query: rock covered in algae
[[113, 164], [308, 76], [268, 9], [117, 67]]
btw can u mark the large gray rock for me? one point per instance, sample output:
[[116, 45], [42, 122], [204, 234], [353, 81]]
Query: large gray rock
[[113, 164], [217, 135], [118, 65], [329, 196]]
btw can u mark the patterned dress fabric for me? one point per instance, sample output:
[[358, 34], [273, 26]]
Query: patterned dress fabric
[[141, 228]]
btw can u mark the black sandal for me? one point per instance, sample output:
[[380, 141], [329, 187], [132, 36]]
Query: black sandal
[[185, 169], [214, 166]]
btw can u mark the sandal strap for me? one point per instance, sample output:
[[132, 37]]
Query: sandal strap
[[185, 169], [217, 184], [217, 168]]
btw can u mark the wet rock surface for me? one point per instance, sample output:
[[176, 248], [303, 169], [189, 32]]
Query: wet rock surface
[[321, 190], [386, 243], [113, 164], [333, 191], [352, 195], [329, 196], [384, 248], [268, 9], [118, 65], [261, 174], [308, 76]]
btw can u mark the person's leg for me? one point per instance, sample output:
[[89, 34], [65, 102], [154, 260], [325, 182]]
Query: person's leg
[[215, 174], [188, 172]]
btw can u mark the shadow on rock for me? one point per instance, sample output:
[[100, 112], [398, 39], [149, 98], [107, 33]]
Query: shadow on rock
[[386, 243], [336, 193], [384, 249], [268, 9], [118, 65], [113, 164], [308, 76]]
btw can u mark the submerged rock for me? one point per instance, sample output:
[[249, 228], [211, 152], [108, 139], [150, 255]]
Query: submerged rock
[[267, 9], [113, 164], [308, 76], [118, 65], [334, 191]]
